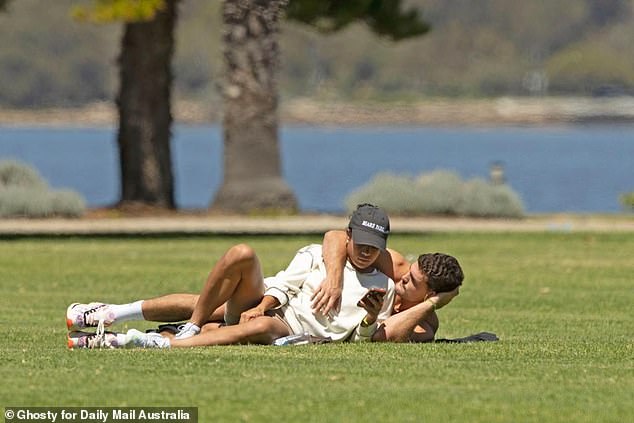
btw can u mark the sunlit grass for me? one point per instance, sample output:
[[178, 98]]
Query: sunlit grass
[[561, 304]]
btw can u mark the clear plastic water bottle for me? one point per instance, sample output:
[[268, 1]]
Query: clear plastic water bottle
[[301, 339]]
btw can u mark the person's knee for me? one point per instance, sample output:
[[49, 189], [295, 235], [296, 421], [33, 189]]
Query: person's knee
[[263, 331], [241, 253]]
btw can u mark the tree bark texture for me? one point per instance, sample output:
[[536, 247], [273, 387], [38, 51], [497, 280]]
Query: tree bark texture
[[144, 110], [252, 165]]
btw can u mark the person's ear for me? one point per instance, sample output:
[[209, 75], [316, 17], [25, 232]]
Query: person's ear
[[348, 235], [430, 294]]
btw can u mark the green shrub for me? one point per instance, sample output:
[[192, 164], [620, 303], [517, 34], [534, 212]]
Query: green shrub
[[66, 203], [17, 201], [481, 199], [587, 66], [23, 193], [392, 192], [14, 173], [627, 201], [441, 192]]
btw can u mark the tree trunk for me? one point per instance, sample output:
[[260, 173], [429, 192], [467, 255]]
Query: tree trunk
[[252, 168], [144, 110]]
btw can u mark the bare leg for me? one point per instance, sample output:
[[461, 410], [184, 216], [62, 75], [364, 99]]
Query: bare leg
[[235, 280], [262, 330], [176, 307], [208, 327], [169, 308]]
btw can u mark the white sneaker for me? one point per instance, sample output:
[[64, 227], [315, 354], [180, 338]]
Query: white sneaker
[[80, 316], [136, 338], [92, 340], [187, 331]]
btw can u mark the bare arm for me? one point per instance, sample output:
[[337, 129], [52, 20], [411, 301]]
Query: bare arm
[[408, 325], [327, 297], [393, 264], [426, 330], [268, 302], [417, 324]]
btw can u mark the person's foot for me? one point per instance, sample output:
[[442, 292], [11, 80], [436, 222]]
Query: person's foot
[[104, 340], [80, 316], [187, 331], [78, 339], [136, 338], [169, 328]]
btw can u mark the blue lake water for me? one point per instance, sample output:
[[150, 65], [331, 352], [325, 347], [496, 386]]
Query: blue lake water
[[554, 169]]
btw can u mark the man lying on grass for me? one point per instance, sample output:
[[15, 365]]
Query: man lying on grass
[[236, 292], [416, 283], [283, 307]]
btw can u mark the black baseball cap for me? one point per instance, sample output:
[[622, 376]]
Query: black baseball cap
[[370, 226]]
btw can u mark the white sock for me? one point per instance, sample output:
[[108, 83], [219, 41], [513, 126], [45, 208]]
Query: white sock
[[130, 311]]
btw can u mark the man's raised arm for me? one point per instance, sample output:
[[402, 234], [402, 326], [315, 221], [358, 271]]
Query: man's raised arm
[[327, 297], [416, 324], [393, 264]]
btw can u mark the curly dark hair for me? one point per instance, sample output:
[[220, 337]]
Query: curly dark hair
[[443, 271]]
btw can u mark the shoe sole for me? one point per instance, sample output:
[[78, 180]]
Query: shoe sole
[[70, 341], [69, 322]]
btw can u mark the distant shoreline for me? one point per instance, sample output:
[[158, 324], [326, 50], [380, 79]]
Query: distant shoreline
[[434, 112]]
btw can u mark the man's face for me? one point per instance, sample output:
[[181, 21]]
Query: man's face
[[361, 256], [413, 285]]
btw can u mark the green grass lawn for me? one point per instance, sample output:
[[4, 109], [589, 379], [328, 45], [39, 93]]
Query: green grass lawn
[[562, 304]]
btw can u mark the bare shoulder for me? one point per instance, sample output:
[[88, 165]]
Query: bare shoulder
[[393, 264]]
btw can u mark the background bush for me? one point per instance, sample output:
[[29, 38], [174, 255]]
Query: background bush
[[23, 193], [387, 188], [441, 192], [627, 201], [15, 174], [481, 199]]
